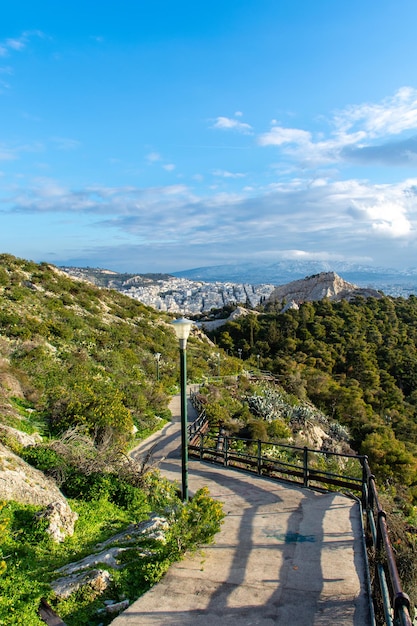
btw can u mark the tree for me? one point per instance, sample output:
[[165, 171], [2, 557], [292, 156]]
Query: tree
[[389, 457]]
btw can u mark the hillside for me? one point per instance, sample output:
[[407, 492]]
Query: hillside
[[324, 285], [78, 370], [79, 386], [73, 353], [355, 360], [68, 344]]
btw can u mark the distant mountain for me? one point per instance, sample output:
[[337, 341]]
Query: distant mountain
[[113, 280], [390, 281]]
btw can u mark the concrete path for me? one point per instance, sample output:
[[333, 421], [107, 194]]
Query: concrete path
[[284, 555]]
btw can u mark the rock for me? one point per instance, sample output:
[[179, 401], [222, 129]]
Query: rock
[[314, 436], [19, 436], [10, 386], [153, 528], [23, 483], [319, 286], [61, 520], [98, 579], [238, 312], [117, 607], [108, 557]]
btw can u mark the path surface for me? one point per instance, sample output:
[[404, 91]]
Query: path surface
[[284, 555]]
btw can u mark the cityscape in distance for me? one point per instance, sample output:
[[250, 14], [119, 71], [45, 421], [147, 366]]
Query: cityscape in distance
[[200, 290]]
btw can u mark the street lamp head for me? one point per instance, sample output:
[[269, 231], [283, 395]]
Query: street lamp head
[[182, 328]]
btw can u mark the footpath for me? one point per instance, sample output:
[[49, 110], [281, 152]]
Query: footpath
[[284, 555]]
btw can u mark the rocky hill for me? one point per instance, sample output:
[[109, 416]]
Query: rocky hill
[[324, 285]]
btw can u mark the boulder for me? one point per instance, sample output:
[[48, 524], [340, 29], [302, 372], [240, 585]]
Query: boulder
[[97, 579], [61, 520]]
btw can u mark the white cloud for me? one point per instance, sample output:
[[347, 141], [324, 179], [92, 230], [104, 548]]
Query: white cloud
[[278, 136], [320, 218], [228, 123], [169, 167], [391, 117], [153, 157], [227, 174], [16, 44], [355, 130], [64, 143]]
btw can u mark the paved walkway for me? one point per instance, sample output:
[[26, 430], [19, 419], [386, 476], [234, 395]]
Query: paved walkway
[[284, 555]]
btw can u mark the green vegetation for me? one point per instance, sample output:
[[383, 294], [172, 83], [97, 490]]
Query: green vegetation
[[109, 491], [77, 363], [86, 356], [356, 361], [28, 557]]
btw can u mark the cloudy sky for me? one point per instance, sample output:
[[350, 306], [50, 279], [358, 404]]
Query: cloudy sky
[[161, 135]]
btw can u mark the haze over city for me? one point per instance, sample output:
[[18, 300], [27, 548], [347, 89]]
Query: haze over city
[[159, 136]]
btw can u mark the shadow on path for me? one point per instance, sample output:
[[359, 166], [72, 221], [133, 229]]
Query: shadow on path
[[285, 555]]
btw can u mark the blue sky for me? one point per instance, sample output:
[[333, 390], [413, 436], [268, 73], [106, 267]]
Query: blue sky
[[161, 135]]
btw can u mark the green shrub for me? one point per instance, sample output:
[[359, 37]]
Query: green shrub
[[127, 496], [257, 430], [277, 429], [97, 485], [42, 457], [93, 486], [196, 522]]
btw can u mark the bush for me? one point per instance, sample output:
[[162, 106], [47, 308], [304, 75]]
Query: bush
[[93, 486], [277, 429], [257, 430], [99, 485], [196, 522], [43, 458]]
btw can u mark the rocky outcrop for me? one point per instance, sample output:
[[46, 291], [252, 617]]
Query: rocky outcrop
[[238, 312], [97, 579], [22, 483], [324, 285], [61, 520], [86, 572], [7, 433]]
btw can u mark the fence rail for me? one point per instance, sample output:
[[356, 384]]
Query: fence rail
[[312, 468]]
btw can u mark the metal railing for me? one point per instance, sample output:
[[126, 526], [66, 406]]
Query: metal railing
[[387, 584], [318, 470]]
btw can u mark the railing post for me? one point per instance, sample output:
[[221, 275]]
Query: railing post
[[225, 451], [402, 601], [201, 446], [259, 457], [305, 466], [365, 489], [381, 515]]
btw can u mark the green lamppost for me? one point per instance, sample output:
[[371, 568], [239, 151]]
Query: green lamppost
[[182, 329]]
